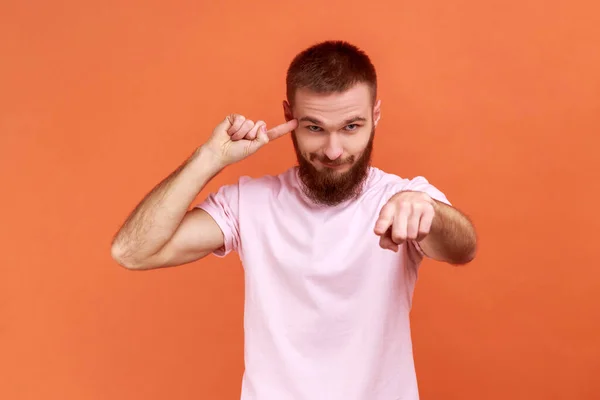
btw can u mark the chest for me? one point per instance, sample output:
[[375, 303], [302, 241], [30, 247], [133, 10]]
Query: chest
[[329, 246]]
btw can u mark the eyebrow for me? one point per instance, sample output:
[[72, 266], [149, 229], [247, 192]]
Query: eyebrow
[[317, 122]]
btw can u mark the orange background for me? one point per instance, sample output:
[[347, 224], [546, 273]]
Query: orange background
[[497, 103]]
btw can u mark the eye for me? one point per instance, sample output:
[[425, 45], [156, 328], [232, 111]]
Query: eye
[[352, 127], [313, 128]]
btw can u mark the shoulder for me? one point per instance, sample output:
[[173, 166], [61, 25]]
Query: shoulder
[[379, 179], [267, 183], [384, 182], [245, 190], [389, 184], [250, 187]]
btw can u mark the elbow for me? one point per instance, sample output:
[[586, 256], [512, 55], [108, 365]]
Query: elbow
[[465, 258], [460, 260], [123, 258], [468, 254]]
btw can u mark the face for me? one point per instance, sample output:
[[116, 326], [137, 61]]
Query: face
[[333, 141]]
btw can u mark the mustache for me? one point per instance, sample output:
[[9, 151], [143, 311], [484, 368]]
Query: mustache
[[327, 160]]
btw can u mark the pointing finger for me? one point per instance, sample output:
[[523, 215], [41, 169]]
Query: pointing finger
[[385, 220], [282, 129]]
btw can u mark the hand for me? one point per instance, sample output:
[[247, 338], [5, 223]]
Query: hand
[[406, 216], [236, 137]]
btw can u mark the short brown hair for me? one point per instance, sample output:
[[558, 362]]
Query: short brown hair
[[329, 67]]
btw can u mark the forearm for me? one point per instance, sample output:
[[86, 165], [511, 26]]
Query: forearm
[[156, 218], [452, 237]]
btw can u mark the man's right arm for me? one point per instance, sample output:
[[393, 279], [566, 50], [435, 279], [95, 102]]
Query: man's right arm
[[161, 232]]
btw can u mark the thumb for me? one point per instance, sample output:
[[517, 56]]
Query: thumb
[[262, 138]]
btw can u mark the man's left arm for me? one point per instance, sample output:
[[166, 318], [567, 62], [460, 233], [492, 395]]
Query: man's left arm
[[440, 231], [451, 238]]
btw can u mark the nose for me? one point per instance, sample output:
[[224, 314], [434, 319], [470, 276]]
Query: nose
[[334, 149]]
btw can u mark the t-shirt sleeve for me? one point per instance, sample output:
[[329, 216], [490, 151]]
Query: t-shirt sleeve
[[420, 184], [223, 207]]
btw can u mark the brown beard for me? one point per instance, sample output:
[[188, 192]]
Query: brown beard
[[327, 187]]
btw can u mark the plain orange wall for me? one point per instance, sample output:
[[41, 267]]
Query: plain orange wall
[[496, 102]]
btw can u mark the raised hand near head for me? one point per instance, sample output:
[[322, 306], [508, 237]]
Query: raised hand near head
[[236, 137]]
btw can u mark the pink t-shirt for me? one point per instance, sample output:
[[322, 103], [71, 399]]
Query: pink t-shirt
[[326, 309]]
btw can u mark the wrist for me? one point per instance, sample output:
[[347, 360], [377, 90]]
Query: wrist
[[438, 216], [205, 161]]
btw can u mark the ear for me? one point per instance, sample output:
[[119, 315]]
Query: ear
[[287, 111], [377, 112]]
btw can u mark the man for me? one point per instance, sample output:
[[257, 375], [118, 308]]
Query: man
[[330, 248]]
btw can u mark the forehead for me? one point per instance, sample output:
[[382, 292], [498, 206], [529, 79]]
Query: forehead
[[333, 107]]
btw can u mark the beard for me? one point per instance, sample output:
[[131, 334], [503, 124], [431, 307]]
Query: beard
[[328, 187]]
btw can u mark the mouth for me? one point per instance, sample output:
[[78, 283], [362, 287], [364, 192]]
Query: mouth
[[332, 165]]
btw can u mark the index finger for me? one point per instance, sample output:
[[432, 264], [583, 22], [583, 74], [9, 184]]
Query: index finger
[[282, 129], [385, 220]]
